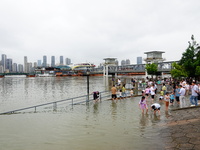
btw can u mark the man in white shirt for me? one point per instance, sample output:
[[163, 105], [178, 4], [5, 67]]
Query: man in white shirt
[[182, 96], [152, 89], [193, 98], [119, 82]]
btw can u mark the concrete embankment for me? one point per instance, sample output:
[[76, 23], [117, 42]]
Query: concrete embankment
[[182, 130]]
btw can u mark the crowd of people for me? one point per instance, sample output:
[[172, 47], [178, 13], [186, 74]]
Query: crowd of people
[[170, 92], [174, 92]]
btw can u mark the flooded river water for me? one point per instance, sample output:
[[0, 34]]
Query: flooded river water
[[103, 125]]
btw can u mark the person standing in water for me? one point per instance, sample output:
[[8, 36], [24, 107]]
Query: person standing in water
[[124, 91], [152, 89], [114, 92], [167, 100], [156, 108], [143, 105]]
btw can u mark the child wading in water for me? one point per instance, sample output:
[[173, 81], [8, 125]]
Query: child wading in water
[[161, 95], [147, 92], [167, 99], [143, 105], [131, 92], [172, 97], [120, 94]]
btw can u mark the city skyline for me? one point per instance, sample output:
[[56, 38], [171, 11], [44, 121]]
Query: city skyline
[[61, 60], [65, 60], [89, 31], [8, 65]]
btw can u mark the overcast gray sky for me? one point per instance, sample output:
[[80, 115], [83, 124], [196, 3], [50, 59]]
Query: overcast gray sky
[[91, 30]]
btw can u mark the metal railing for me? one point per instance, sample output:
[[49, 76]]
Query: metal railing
[[104, 95], [69, 101]]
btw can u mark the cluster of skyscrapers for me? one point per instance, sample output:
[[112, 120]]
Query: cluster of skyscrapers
[[125, 62], [7, 65], [128, 62]]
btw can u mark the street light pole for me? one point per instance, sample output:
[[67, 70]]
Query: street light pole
[[88, 88]]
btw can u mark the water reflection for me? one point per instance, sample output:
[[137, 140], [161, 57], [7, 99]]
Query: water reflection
[[114, 110], [144, 120], [167, 114], [155, 118], [96, 107]]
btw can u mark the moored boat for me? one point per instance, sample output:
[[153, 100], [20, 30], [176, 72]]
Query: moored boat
[[83, 66], [46, 75]]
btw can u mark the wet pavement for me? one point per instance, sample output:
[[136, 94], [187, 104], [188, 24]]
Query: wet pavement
[[182, 130]]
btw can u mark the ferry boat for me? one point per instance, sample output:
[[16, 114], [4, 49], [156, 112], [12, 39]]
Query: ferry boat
[[83, 66]]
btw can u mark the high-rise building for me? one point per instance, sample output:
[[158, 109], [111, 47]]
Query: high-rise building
[[61, 60], [39, 63], [68, 61], [35, 65], [128, 62], [53, 63], [117, 62], [3, 61], [30, 67], [1, 69], [14, 67], [139, 60], [44, 64], [20, 68], [9, 65], [123, 63], [25, 64]]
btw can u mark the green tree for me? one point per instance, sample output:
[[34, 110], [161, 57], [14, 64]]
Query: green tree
[[152, 69], [190, 61], [197, 73], [178, 71]]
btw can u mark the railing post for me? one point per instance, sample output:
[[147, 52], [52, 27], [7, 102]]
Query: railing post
[[54, 106], [88, 88], [72, 101], [136, 88], [86, 99]]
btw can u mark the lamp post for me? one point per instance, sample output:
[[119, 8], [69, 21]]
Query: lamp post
[[88, 91]]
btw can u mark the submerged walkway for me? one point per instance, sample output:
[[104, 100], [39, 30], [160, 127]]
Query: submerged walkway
[[182, 130]]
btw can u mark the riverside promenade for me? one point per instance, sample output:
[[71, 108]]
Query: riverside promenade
[[182, 130]]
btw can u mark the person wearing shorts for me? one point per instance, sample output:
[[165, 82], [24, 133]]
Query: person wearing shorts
[[177, 95], [156, 108], [152, 92], [114, 92], [172, 97]]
